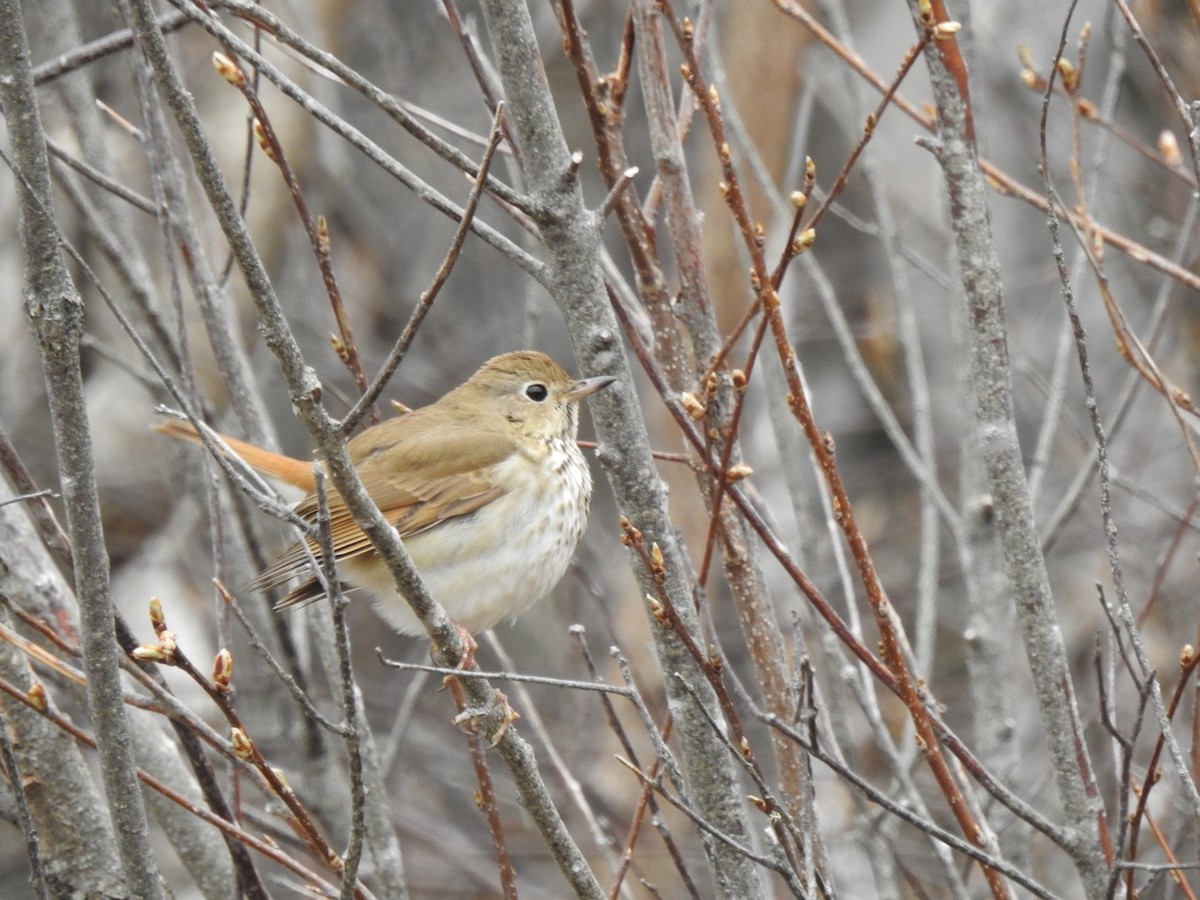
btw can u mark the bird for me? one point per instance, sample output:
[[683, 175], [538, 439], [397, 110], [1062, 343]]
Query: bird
[[487, 488]]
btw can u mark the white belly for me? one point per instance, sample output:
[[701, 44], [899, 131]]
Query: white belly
[[497, 562]]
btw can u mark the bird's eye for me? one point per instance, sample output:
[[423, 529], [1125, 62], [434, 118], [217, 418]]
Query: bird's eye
[[536, 392]]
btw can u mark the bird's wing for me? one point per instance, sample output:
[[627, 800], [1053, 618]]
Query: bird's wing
[[411, 505], [418, 478]]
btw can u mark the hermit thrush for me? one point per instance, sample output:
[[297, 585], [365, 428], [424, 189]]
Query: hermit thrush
[[487, 488]]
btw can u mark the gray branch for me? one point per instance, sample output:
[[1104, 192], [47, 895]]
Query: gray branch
[[572, 237], [979, 268], [55, 310]]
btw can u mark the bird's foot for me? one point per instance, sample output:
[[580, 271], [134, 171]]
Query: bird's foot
[[469, 716]]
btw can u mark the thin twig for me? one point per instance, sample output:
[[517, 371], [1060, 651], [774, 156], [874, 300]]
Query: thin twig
[[646, 800], [167, 652], [316, 228], [400, 348], [119, 40], [265, 847], [1124, 610]]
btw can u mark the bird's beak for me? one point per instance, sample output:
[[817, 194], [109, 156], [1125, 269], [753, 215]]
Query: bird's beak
[[588, 386]]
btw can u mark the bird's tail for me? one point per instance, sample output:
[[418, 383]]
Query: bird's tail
[[295, 472]]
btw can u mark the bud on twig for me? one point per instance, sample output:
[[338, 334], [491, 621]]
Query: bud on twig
[[228, 69], [166, 641], [656, 610], [1069, 75], [804, 240], [692, 405], [738, 473], [323, 234], [37, 696], [1168, 146], [152, 653], [264, 141], [157, 621], [339, 348], [658, 565], [243, 747], [222, 672], [162, 652], [629, 531]]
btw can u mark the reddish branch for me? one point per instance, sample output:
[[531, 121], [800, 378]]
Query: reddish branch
[[317, 229], [167, 652], [997, 179], [892, 642], [36, 702]]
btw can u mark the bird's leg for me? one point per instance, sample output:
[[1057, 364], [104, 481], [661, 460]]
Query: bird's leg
[[468, 715], [467, 660]]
